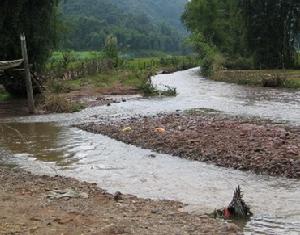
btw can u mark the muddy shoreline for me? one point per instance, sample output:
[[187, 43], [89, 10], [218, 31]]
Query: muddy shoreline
[[25, 209], [244, 144]]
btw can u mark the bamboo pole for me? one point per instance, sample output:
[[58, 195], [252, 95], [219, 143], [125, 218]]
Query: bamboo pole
[[28, 81]]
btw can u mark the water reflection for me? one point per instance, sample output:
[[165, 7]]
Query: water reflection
[[44, 141]]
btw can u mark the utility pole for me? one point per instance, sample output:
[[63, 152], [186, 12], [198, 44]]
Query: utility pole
[[28, 81]]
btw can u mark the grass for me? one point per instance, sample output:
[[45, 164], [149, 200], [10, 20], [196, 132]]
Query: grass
[[61, 60], [133, 74], [173, 63], [59, 103], [265, 78], [292, 83], [4, 96], [126, 78]]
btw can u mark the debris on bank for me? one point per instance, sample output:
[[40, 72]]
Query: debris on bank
[[259, 146]]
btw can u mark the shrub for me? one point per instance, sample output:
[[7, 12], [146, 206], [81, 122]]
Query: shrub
[[148, 89], [211, 63], [55, 103], [57, 87], [170, 91], [239, 62]]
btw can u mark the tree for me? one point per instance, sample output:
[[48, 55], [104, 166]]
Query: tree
[[264, 30], [219, 23], [37, 19], [133, 22], [111, 47], [272, 27]]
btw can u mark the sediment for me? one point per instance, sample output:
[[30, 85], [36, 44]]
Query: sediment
[[26, 209], [259, 146]]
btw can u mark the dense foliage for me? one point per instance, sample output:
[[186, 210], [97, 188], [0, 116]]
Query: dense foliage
[[157, 11], [35, 18], [272, 27], [91, 21], [244, 33]]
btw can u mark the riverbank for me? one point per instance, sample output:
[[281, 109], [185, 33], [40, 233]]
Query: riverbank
[[264, 78], [32, 204], [252, 145], [78, 85]]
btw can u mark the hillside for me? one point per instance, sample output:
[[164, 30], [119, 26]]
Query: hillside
[[138, 24], [168, 12]]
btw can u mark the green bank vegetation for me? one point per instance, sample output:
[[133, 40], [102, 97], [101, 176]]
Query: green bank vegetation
[[95, 70], [70, 71], [265, 78], [4, 95], [246, 35], [110, 36]]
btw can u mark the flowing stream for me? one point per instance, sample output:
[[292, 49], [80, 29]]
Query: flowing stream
[[46, 144]]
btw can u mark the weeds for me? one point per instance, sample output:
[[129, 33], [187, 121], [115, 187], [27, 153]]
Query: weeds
[[264, 78], [59, 103], [57, 86], [4, 96]]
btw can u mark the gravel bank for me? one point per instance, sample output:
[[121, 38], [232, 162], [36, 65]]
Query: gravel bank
[[258, 146]]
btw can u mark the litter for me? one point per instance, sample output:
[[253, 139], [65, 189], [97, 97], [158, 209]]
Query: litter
[[126, 129], [160, 130]]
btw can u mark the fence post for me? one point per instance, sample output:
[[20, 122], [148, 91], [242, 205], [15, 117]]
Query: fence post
[[28, 81]]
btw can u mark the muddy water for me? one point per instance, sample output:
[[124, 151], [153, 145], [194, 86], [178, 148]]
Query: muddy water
[[50, 149], [43, 147], [195, 92]]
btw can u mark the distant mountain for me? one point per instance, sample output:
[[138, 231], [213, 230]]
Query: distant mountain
[[138, 24], [166, 11]]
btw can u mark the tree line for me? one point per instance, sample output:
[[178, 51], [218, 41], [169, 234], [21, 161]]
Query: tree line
[[244, 33], [89, 22], [80, 25]]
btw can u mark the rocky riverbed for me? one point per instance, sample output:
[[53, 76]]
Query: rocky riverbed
[[244, 144], [32, 204]]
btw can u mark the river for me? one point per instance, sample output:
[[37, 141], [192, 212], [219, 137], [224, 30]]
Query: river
[[46, 144]]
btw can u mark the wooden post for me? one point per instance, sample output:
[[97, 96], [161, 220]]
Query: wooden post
[[27, 75]]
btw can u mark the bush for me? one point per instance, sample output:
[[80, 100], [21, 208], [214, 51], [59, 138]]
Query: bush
[[240, 63], [212, 63], [57, 87], [54, 103], [170, 91], [148, 89]]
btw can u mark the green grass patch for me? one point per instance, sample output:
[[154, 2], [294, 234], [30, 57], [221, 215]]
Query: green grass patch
[[265, 78], [62, 60], [293, 83], [4, 96], [128, 73], [127, 78]]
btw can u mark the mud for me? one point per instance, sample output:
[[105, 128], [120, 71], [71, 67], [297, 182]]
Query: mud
[[25, 209]]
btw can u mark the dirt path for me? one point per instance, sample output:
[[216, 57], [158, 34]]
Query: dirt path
[[225, 141], [25, 209]]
